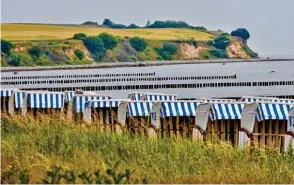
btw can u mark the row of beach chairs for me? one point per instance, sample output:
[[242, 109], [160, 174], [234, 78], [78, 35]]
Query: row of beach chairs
[[262, 121]]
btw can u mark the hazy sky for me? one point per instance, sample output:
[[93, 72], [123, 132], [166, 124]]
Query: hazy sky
[[270, 22]]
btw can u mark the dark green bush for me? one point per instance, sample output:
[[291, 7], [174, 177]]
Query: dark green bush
[[242, 33], [169, 24], [96, 46], [250, 52], [90, 23], [225, 34], [109, 41], [193, 42], [210, 43], [21, 59], [167, 51], [79, 36], [132, 26], [221, 42], [138, 44], [201, 28], [110, 24], [6, 46], [35, 51], [170, 48], [80, 54], [218, 53]]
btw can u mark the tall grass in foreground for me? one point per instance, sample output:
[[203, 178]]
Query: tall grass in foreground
[[34, 149]]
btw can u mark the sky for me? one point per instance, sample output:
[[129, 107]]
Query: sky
[[270, 22]]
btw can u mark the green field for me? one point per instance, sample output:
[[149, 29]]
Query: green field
[[34, 151], [22, 32]]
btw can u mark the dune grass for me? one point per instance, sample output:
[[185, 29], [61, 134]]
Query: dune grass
[[38, 146], [36, 32]]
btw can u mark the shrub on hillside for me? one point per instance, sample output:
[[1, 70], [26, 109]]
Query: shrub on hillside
[[21, 59], [96, 46], [138, 44], [80, 54], [167, 51], [35, 51], [225, 34], [6, 46], [249, 51], [221, 42], [218, 53], [109, 41], [193, 42], [79, 36], [170, 48], [242, 33]]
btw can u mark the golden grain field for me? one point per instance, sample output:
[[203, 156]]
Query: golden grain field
[[23, 32]]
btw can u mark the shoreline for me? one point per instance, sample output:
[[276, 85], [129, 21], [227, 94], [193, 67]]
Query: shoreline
[[133, 64]]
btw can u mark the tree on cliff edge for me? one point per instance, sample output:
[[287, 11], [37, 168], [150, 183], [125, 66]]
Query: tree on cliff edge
[[242, 33]]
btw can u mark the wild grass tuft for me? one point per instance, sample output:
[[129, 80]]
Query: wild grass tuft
[[30, 150]]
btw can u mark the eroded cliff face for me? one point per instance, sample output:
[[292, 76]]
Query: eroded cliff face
[[64, 52], [235, 50], [189, 52]]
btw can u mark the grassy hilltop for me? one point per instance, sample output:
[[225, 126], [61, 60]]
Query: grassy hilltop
[[39, 32], [46, 44]]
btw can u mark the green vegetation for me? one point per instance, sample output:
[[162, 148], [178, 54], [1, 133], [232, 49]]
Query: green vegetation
[[90, 23], [221, 42], [6, 46], [35, 51], [39, 32], [218, 53], [138, 44], [57, 151], [99, 44], [193, 42], [133, 26], [109, 41], [79, 36], [250, 52], [242, 33], [96, 46], [53, 44], [110, 24], [80, 54], [170, 24], [167, 51], [21, 59], [156, 24]]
